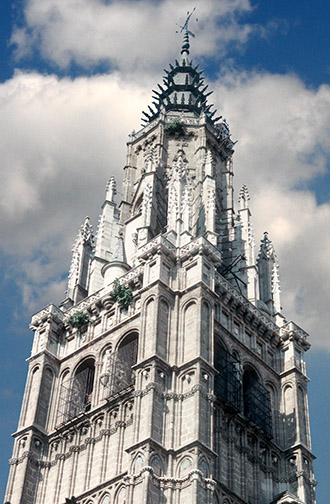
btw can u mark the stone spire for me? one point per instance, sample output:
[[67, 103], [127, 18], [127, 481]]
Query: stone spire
[[117, 266], [109, 217], [268, 268], [209, 164], [183, 88], [248, 248], [111, 190], [247, 227], [244, 198], [107, 232], [80, 262]]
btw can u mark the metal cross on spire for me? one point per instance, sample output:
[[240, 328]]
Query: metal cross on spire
[[185, 26]]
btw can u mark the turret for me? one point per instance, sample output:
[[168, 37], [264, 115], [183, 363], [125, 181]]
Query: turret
[[118, 265]]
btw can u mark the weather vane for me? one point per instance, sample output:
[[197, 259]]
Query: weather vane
[[185, 26]]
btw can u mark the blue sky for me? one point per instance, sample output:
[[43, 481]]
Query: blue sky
[[74, 77]]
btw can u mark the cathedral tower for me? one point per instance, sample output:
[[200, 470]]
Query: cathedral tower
[[168, 374]]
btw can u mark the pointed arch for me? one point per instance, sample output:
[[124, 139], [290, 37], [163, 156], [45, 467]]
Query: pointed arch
[[29, 400], [273, 405], [120, 374], [205, 330], [137, 463], [184, 466], [105, 499], [121, 495], [302, 414], [227, 382], [204, 466], [149, 325], [46, 390], [189, 330], [163, 328], [81, 389], [157, 465]]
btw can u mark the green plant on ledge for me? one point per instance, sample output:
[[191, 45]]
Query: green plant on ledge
[[78, 319], [122, 294], [175, 126]]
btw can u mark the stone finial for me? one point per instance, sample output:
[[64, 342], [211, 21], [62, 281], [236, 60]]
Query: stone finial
[[147, 204], [180, 165], [151, 160], [172, 208], [244, 198], [86, 231], [185, 44], [81, 254], [211, 209], [186, 207], [266, 247], [268, 269], [111, 189], [276, 287], [209, 163]]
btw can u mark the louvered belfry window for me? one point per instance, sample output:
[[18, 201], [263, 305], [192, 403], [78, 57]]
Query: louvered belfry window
[[120, 373], [76, 393], [227, 383], [257, 408]]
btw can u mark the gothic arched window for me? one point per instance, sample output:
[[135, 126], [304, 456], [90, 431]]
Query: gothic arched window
[[227, 383], [82, 388], [120, 374]]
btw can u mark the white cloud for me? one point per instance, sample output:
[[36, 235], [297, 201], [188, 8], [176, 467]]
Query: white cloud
[[60, 141], [54, 135], [299, 229], [282, 127], [122, 33]]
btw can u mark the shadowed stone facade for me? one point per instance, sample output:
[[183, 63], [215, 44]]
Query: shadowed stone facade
[[196, 391]]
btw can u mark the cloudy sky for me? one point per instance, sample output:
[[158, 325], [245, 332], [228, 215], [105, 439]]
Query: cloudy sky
[[74, 78]]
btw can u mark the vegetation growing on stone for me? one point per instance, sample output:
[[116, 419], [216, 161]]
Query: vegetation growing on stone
[[175, 126], [122, 294], [78, 319]]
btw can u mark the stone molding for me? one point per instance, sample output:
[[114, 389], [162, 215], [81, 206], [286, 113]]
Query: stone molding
[[73, 449], [173, 395], [165, 482], [240, 299]]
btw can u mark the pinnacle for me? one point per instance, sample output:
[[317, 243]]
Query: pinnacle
[[244, 197], [266, 247], [111, 189]]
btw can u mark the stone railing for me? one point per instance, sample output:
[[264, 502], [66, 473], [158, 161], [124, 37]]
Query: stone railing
[[158, 243], [200, 245], [49, 311], [245, 302], [291, 327]]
